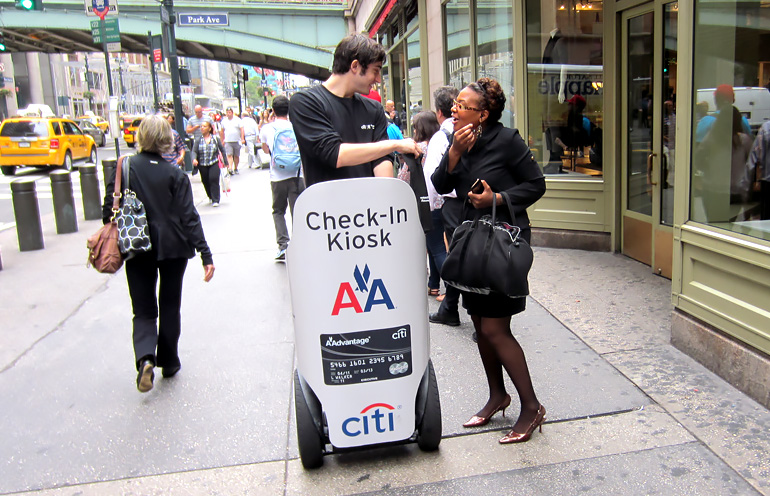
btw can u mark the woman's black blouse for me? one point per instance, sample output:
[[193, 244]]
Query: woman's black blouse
[[501, 158], [175, 226]]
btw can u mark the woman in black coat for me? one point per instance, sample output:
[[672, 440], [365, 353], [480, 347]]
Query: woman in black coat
[[176, 233], [482, 148]]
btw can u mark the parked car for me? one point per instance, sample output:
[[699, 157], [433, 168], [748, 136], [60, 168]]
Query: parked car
[[129, 131], [96, 133], [43, 142], [97, 121]]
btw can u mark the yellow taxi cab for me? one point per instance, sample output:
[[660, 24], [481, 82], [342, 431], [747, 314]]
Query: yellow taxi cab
[[97, 121], [129, 131], [43, 142]]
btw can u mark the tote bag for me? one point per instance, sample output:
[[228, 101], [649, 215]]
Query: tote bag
[[487, 256]]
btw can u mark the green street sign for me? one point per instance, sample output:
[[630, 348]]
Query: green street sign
[[111, 29]]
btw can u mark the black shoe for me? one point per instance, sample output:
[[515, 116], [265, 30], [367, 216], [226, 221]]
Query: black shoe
[[146, 376], [170, 371], [443, 318]]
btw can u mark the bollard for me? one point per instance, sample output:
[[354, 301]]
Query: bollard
[[63, 202], [89, 187], [27, 214], [108, 167]]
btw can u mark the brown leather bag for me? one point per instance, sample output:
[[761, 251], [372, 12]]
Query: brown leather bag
[[103, 252]]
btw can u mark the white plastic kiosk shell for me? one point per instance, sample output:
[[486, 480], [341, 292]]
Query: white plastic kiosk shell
[[356, 267]]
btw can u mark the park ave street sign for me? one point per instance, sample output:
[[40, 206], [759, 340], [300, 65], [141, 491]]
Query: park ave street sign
[[204, 20]]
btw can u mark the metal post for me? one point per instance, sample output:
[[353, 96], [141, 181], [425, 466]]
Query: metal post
[[108, 170], [103, 33], [89, 187], [63, 202], [152, 73], [176, 87], [119, 60], [88, 85], [27, 214]]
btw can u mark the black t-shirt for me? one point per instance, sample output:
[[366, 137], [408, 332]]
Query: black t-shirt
[[323, 121]]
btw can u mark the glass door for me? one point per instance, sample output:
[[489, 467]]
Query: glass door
[[648, 139]]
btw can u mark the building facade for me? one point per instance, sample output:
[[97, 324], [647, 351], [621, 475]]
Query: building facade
[[651, 121]]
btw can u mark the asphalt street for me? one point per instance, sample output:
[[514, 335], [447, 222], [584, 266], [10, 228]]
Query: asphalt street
[[43, 185], [627, 413]]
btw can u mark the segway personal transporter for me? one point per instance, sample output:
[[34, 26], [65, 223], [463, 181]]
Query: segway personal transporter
[[356, 267]]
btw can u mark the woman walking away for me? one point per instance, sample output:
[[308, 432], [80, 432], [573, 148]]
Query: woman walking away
[[424, 126], [207, 149], [176, 233], [484, 149]]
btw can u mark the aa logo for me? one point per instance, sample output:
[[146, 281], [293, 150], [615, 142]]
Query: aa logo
[[372, 294]]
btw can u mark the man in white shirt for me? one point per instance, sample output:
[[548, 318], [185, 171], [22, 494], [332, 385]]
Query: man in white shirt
[[250, 132], [286, 179], [450, 206], [233, 137]]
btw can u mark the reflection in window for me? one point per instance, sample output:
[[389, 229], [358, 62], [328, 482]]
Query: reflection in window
[[494, 28], [731, 117], [458, 43], [565, 85], [415, 76]]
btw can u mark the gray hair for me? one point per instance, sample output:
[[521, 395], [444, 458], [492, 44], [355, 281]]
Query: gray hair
[[154, 135]]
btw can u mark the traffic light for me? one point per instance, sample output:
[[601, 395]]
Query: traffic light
[[245, 74], [236, 90], [2, 43], [29, 4]]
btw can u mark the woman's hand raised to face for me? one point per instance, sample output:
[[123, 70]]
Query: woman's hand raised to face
[[464, 138], [483, 199]]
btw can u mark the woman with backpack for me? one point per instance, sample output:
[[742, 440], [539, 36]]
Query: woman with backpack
[[207, 151]]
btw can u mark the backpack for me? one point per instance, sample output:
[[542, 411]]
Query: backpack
[[285, 151]]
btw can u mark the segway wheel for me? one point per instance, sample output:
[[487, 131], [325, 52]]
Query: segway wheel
[[429, 430], [311, 445]]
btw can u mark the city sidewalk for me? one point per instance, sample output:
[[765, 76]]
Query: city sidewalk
[[627, 413]]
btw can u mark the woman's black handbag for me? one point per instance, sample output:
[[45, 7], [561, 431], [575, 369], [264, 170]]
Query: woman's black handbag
[[131, 218], [487, 256]]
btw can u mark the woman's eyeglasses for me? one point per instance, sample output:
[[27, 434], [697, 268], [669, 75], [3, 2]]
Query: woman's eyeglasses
[[462, 106]]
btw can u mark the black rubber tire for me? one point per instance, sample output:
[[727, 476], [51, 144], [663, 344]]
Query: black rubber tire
[[68, 165], [429, 430], [131, 145], [309, 440], [8, 170], [93, 157]]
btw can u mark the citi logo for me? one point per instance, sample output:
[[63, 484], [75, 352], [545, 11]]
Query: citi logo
[[380, 420], [377, 293]]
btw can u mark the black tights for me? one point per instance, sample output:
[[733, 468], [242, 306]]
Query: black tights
[[499, 349]]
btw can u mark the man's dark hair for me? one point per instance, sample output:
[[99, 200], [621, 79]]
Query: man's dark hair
[[356, 47], [444, 98], [281, 106]]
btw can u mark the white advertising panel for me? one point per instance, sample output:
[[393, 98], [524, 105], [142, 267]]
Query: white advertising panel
[[356, 267]]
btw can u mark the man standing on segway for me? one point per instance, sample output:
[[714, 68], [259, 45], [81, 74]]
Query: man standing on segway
[[340, 133]]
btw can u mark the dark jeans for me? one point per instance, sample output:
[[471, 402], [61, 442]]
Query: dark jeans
[[284, 193], [434, 240], [142, 273], [210, 180]]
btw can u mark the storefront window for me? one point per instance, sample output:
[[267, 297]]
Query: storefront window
[[565, 85], [731, 117], [415, 75], [494, 31], [458, 35]]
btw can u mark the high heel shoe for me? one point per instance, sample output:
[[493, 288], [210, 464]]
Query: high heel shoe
[[515, 437], [478, 421]]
